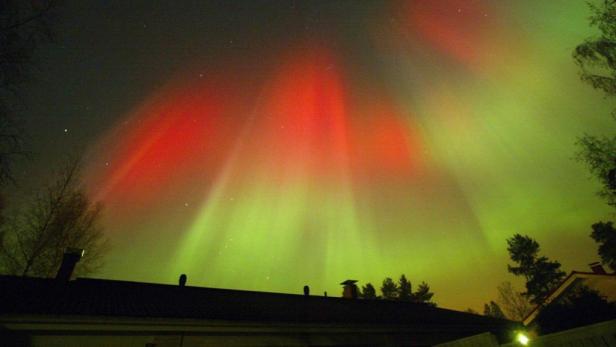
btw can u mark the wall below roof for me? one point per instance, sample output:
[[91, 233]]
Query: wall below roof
[[77, 333], [596, 335], [221, 340]]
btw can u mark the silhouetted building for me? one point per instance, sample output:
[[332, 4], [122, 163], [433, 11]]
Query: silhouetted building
[[598, 280], [94, 312]]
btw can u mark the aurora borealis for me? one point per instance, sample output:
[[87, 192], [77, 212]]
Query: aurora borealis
[[270, 145]]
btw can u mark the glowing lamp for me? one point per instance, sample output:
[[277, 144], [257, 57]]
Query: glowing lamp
[[522, 339]]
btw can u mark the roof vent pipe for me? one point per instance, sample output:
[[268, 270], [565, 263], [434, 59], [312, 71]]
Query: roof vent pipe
[[69, 261]]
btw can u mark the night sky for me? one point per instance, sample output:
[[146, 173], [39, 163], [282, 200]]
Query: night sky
[[266, 145]]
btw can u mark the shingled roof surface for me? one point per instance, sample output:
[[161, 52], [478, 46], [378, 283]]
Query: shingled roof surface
[[94, 297]]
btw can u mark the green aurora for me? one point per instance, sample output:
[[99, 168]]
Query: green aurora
[[412, 137]]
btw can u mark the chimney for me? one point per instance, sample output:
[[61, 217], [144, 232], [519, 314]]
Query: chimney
[[182, 280], [306, 291], [349, 289], [597, 268], [70, 259]]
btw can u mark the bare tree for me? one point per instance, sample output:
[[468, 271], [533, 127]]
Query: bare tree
[[24, 25], [35, 238], [493, 310], [514, 303]]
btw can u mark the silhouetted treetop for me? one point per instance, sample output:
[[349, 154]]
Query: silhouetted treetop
[[423, 294], [389, 289], [596, 58], [405, 292], [368, 291], [541, 274], [605, 235]]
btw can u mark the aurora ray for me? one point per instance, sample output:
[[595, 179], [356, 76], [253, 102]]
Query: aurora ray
[[414, 142]]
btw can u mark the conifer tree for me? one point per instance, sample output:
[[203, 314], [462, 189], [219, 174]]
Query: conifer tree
[[541, 274], [405, 292], [423, 294], [389, 289], [368, 291]]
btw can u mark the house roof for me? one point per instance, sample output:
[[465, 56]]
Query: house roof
[[108, 298], [604, 283]]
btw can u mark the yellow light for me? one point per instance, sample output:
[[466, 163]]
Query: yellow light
[[522, 339]]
